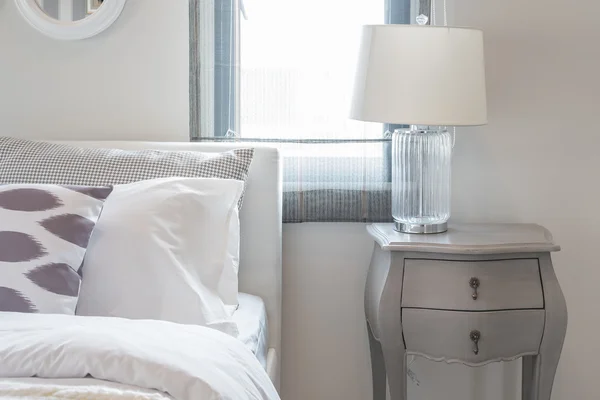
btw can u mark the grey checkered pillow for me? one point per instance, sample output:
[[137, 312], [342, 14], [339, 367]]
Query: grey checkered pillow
[[26, 161]]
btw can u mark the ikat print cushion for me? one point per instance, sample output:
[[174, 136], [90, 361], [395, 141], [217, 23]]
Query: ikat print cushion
[[44, 233]]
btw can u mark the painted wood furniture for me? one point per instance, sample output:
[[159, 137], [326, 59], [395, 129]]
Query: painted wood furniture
[[475, 294]]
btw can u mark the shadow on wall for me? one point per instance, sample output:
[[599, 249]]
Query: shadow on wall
[[481, 176]]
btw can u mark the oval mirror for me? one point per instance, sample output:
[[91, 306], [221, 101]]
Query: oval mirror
[[70, 19]]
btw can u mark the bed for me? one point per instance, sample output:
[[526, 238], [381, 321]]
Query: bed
[[258, 316]]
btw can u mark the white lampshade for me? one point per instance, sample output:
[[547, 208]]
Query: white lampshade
[[420, 75]]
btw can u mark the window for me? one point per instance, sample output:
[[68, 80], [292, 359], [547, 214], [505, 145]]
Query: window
[[281, 71], [297, 71]]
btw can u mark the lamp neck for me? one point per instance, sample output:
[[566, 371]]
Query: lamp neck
[[427, 128], [424, 8]]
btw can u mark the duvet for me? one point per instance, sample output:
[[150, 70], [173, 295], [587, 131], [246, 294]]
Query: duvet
[[140, 359]]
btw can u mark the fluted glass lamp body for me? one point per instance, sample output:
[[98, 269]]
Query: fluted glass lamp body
[[421, 170]]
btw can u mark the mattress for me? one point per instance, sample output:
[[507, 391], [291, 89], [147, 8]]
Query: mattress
[[251, 319]]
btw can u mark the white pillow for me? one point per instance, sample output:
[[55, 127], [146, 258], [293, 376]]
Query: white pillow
[[228, 285], [159, 251]]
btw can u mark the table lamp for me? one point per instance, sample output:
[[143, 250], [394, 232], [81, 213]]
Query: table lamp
[[428, 77]]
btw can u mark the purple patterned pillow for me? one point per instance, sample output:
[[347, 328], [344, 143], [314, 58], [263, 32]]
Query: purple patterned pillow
[[44, 233]]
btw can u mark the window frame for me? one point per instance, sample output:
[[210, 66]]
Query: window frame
[[227, 68], [212, 118], [222, 120]]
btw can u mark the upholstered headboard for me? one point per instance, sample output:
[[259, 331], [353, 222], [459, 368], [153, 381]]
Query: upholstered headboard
[[260, 253]]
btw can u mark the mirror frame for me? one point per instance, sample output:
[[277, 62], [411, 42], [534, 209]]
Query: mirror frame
[[90, 26]]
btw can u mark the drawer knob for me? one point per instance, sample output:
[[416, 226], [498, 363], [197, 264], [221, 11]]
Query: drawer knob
[[475, 335], [474, 283]]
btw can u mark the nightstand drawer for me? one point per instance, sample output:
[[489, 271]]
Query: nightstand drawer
[[472, 285], [450, 335]]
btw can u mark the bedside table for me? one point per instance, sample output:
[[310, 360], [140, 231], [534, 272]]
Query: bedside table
[[475, 294]]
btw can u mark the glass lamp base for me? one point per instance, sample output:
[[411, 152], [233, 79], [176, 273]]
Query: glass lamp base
[[420, 228], [421, 162]]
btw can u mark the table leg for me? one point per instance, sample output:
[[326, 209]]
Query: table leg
[[377, 367], [395, 366], [527, 378], [555, 329]]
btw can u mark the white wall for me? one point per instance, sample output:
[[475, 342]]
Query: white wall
[[325, 353], [130, 82], [535, 161]]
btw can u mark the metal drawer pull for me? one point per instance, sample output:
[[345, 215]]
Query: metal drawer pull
[[474, 283], [475, 335]]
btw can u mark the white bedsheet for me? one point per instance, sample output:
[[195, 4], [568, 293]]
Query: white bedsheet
[[251, 320], [78, 389], [187, 362]]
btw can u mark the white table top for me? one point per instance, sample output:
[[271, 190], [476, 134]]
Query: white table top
[[468, 238]]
